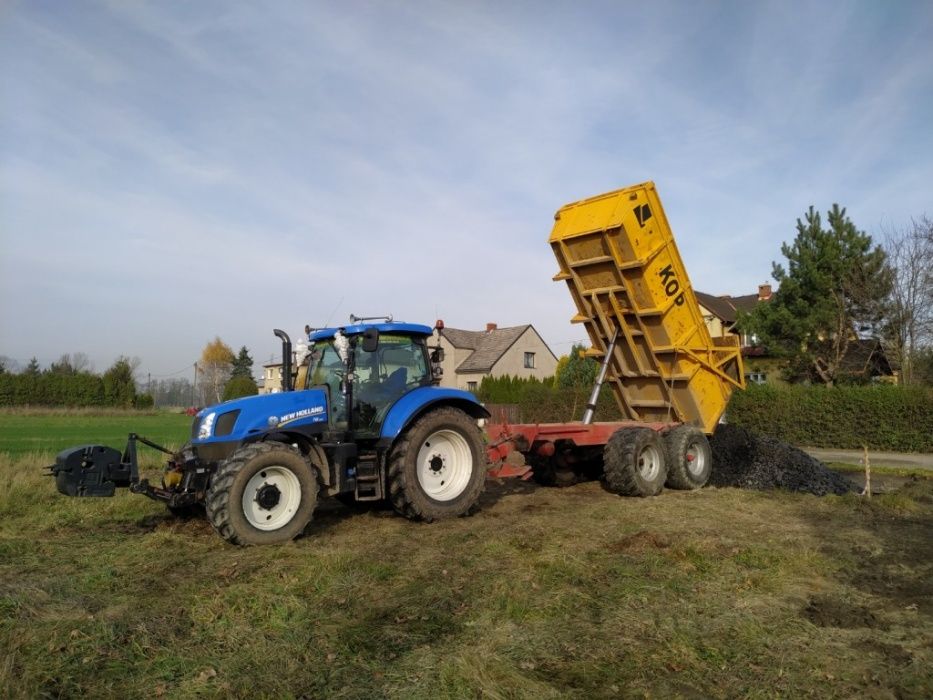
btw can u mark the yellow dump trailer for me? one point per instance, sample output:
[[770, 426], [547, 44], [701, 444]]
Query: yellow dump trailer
[[671, 380], [618, 257]]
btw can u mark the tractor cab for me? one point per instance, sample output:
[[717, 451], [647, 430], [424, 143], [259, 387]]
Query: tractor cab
[[365, 369]]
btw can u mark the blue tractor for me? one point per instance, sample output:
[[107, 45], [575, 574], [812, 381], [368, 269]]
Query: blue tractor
[[365, 421]]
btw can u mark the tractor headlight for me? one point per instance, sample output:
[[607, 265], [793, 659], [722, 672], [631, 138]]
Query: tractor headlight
[[207, 426]]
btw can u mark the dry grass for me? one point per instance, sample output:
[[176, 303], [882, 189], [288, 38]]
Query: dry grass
[[543, 593]]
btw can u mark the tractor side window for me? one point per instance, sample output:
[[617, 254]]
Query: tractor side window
[[400, 362], [326, 368], [396, 367]]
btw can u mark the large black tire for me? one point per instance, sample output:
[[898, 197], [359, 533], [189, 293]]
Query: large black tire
[[689, 458], [264, 493], [437, 469], [633, 462]]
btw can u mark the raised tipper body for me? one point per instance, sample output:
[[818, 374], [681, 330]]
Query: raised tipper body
[[618, 257], [671, 379]]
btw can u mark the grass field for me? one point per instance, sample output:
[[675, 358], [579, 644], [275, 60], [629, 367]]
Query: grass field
[[24, 432], [543, 593]]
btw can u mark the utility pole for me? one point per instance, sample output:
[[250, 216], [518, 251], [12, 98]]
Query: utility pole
[[194, 385]]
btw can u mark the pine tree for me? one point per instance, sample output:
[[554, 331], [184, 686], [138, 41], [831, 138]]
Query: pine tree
[[833, 288], [243, 364]]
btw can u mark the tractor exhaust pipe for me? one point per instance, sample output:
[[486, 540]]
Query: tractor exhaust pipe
[[594, 395], [286, 359]]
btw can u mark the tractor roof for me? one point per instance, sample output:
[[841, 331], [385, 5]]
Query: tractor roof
[[355, 329]]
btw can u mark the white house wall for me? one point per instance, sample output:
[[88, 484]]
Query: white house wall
[[513, 361]]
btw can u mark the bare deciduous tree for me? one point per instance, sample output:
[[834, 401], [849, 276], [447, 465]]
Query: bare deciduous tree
[[910, 253]]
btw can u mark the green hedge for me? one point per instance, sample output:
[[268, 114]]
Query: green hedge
[[846, 417], [543, 402], [80, 390]]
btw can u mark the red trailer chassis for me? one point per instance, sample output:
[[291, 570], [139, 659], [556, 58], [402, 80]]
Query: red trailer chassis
[[566, 443]]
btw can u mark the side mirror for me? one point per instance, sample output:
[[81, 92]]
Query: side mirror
[[437, 355], [370, 340]]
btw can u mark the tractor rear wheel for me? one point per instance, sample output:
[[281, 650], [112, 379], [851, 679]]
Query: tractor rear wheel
[[689, 458], [633, 462], [264, 493], [437, 468]]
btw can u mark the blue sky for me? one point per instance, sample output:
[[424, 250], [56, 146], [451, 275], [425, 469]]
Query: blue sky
[[174, 171]]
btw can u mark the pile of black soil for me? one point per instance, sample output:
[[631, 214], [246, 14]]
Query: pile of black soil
[[750, 461]]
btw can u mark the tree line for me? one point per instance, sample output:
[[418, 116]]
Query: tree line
[[69, 382]]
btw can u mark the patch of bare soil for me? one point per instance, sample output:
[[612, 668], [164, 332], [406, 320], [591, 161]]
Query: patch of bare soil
[[497, 489], [826, 611], [892, 654], [901, 572], [643, 541]]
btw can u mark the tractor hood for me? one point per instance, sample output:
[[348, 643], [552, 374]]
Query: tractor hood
[[252, 415]]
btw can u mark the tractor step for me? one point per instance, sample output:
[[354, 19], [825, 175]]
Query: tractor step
[[368, 478]]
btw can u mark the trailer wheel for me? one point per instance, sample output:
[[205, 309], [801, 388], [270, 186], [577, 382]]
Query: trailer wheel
[[437, 468], [633, 462], [689, 458], [264, 493]]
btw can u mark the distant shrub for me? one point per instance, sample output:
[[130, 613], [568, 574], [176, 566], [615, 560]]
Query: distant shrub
[[240, 386]]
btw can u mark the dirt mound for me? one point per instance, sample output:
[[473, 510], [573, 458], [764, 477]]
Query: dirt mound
[[750, 461]]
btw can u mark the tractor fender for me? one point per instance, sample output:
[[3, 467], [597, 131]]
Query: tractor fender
[[306, 440], [424, 399]]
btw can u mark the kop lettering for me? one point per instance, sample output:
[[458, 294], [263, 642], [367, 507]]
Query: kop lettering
[[671, 285]]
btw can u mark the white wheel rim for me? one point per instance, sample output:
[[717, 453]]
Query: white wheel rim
[[695, 457], [263, 486], [649, 463], [444, 465]]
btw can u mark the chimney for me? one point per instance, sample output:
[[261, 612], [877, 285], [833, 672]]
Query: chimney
[[764, 292], [491, 327]]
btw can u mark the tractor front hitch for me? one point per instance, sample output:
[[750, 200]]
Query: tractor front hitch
[[97, 470]]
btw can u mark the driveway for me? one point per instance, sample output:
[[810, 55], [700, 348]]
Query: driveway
[[904, 460]]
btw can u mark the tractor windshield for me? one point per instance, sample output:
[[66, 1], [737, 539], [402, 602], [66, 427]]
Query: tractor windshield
[[397, 366]]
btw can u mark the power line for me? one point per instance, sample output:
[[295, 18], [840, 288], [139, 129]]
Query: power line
[[173, 374]]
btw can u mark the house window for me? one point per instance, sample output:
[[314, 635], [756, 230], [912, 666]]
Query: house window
[[529, 360], [472, 386], [756, 377]]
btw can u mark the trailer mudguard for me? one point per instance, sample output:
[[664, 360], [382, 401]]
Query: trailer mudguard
[[418, 401]]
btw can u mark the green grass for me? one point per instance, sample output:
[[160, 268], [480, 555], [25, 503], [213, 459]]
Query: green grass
[[881, 469], [25, 432], [544, 593]]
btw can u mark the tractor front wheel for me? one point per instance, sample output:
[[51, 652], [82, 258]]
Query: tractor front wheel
[[437, 468], [264, 493]]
